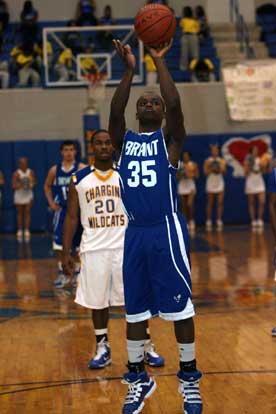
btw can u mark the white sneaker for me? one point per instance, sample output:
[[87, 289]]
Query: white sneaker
[[219, 225], [27, 235], [260, 224], [19, 235], [254, 223], [208, 225], [192, 225]]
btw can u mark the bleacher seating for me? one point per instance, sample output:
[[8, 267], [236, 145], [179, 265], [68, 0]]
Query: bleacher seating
[[207, 50]]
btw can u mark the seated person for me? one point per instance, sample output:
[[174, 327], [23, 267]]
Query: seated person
[[202, 70], [4, 69], [105, 37], [28, 67], [64, 66], [85, 14], [73, 39], [29, 27], [4, 15]]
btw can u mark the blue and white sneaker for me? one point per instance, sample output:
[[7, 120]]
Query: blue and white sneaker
[[152, 358], [189, 389], [140, 386], [61, 281], [102, 357], [273, 332], [75, 278]]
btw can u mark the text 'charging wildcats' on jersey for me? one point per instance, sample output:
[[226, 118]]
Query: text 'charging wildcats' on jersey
[[61, 183], [148, 181], [101, 208]]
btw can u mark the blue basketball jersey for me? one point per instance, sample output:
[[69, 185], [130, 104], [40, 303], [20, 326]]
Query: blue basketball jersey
[[272, 182], [61, 184], [148, 180]]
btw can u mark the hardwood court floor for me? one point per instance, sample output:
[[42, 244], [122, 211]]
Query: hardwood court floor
[[46, 340]]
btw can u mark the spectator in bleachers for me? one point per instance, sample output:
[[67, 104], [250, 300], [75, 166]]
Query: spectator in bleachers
[[28, 65], [85, 14], [202, 70], [204, 30], [4, 69], [255, 187], [73, 39], [23, 182], [29, 27], [105, 37], [214, 169], [189, 39], [64, 66], [4, 15], [165, 2], [151, 71], [88, 64]]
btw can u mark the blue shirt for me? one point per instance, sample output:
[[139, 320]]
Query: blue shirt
[[148, 180], [61, 184]]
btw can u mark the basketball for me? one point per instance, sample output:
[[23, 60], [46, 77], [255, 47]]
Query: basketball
[[155, 24]]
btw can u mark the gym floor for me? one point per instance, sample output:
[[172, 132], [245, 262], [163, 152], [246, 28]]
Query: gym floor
[[46, 340]]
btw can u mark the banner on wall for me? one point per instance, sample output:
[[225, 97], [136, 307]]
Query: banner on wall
[[251, 90]]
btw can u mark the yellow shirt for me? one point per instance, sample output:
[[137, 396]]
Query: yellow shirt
[[23, 60], [189, 25], [88, 63], [150, 66], [65, 58], [15, 51]]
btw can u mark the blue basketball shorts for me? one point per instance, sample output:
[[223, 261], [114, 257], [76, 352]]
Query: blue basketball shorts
[[156, 271], [58, 220]]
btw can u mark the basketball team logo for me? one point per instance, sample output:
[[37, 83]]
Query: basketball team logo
[[235, 150]]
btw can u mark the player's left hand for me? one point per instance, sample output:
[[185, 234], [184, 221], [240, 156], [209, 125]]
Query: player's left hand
[[161, 50], [68, 264]]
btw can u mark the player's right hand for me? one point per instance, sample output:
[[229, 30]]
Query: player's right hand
[[125, 53], [68, 264], [55, 207]]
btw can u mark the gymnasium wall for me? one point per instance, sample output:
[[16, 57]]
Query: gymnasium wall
[[33, 122], [217, 10], [53, 114]]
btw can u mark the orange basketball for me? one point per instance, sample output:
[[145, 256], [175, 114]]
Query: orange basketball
[[155, 24]]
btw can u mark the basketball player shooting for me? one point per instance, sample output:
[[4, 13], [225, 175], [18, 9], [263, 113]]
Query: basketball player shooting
[[156, 268]]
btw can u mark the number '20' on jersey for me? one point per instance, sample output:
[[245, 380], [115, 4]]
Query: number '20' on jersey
[[147, 179]]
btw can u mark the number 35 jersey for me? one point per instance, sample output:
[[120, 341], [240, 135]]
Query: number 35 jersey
[[148, 180], [101, 209]]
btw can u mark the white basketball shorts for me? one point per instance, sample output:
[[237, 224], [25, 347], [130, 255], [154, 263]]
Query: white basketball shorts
[[100, 283]]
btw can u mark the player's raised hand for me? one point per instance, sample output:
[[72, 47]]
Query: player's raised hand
[[126, 53], [161, 50]]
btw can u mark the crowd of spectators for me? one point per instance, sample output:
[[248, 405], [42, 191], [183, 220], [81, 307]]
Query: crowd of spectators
[[23, 62], [22, 65]]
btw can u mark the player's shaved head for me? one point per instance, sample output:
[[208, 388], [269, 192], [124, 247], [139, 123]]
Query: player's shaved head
[[153, 95]]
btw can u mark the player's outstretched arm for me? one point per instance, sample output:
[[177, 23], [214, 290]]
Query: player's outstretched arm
[[174, 115], [69, 229], [117, 124]]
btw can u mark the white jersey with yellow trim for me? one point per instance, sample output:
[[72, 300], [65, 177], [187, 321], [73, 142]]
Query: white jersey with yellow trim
[[101, 209]]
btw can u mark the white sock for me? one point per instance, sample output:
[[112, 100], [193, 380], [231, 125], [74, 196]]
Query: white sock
[[186, 352], [59, 264], [136, 350]]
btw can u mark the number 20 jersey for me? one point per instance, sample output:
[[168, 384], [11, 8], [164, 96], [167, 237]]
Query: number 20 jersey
[[148, 180], [101, 209]]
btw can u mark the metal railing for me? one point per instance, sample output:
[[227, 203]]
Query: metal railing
[[242, 31]]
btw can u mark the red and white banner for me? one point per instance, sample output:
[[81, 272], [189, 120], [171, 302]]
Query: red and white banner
[[251, 90]]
